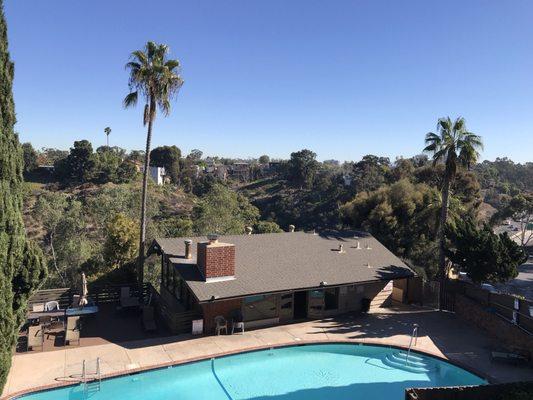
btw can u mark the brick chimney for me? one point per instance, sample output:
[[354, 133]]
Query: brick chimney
[[216, 260]]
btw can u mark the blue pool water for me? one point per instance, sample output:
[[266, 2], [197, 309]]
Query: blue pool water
[[326, 371]]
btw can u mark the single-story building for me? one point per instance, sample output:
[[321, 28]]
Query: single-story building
[[276, 277]]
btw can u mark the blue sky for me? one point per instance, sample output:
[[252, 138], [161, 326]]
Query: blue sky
[[342, 78]]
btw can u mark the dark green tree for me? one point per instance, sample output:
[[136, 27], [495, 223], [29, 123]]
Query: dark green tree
[[30, 157], [302, 168], [267, 227], [482, 254], [403, 216], [169, 158], [155, 78], [22, 269], [80, 166], [264, 159]]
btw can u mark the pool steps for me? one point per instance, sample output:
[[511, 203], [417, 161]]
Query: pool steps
[[411, 363]]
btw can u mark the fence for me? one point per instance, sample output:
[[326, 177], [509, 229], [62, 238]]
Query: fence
[[176, 317], [62, 295], [98, 294], [503, 391], [512, 309]]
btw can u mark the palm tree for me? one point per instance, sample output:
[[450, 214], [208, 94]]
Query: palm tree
[[156, 79], [107, 131], [454, 146]]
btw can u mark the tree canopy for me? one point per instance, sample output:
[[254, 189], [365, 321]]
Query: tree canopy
[[482, 254], [224, 212], [169, 158]]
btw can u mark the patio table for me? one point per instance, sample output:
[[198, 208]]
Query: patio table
[[38, 314], [69, 312]]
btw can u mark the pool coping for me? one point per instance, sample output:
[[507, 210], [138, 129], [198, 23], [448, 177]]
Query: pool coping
[[134, 371]]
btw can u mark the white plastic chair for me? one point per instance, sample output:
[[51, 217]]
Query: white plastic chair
[[51, 306], [221, 325]]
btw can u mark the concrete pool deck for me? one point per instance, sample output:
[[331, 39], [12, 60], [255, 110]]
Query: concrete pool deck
[[440, 334]]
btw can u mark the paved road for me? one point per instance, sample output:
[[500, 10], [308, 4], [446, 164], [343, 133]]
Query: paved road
[[523, 283]]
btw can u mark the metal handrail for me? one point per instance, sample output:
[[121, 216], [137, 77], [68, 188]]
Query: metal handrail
[[98, 370], [84, 376], [414, 335]]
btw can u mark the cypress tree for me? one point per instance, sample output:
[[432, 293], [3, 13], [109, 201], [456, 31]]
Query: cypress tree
[[21, 265]]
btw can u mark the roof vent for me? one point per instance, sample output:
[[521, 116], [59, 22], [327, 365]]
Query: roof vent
[[188, 252], [367, 246], [341, 248], [358, 247], [291, 228], [368, 265], [323, 283], [212, 238], [248, 230]]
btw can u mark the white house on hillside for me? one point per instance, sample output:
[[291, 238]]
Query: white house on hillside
[[157, 174]]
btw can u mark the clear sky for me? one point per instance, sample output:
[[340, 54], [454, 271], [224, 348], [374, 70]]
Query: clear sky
[[342, 78]]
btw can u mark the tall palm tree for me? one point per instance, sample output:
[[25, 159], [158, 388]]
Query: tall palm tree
[[454, 146], [156, 79], [107, 131]]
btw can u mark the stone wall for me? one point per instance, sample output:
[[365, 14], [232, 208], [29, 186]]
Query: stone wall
[[510, 335]]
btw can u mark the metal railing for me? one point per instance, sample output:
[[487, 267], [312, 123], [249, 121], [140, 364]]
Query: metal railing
[[414, 336], [97, 378]]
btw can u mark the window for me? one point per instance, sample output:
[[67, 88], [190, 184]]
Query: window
[[316, 301], [260, 307], [285, 306], [331, 298]]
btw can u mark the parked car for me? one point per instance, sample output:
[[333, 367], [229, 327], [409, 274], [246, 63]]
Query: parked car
[[489, 287]]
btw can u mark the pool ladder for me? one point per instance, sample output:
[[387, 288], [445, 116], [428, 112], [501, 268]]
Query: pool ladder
[[91, 385], [414, 336]]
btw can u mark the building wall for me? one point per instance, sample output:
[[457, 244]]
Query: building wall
[[350, 296], [224, 308]]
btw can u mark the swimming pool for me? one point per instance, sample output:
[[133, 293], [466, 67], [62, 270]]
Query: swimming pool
[[320, 371]]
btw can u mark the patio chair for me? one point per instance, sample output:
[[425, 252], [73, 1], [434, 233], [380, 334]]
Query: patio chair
[[37, 307], [75, 301], [148, 320], [51, 306], [237, 321], [72, 333], [126, 300], [35, 338], [221, 324], [515, 358]]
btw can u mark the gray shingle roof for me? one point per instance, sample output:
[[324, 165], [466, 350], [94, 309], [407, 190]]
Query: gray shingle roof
[[277, 262]]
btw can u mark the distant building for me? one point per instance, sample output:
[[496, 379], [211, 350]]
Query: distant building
[[218, 170], [241, 171], [157, 174]]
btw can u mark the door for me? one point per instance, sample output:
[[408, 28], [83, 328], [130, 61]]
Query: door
[[300, 305]]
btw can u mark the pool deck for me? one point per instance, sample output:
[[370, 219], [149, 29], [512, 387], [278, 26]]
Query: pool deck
[[441, 334]]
